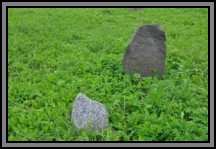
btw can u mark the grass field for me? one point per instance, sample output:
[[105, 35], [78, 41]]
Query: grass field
[[53, 54]]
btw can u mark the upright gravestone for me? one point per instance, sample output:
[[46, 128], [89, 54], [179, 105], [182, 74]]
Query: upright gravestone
[[132, 9], [146, 53], [88, 113]]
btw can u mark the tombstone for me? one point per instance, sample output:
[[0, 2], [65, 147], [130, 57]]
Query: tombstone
[[89, 114], [146, 53], [133, 9]]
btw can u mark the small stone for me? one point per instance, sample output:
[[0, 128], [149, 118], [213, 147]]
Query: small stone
[[89, 113]]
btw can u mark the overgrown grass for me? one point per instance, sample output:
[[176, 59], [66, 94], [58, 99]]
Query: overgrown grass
[[53, 54]]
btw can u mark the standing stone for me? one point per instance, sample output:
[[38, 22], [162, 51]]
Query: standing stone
[[86, 112], [132, 9], [146, 53]]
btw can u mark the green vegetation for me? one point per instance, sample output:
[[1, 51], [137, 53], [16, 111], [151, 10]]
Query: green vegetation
[[53, 54]]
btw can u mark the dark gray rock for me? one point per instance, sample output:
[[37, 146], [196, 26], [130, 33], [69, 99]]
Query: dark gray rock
[[132, 9], [146, 53], [86, 112]]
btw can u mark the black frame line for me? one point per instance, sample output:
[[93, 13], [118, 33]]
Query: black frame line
[[108, 141]]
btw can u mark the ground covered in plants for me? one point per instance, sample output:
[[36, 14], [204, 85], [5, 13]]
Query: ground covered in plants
[[55, 53]]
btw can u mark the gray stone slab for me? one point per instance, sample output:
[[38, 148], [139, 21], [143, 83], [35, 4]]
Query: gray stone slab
[[146, 53]]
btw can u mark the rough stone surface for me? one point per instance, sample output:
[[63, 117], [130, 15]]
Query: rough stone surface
[[86, 112], [146, 53]]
